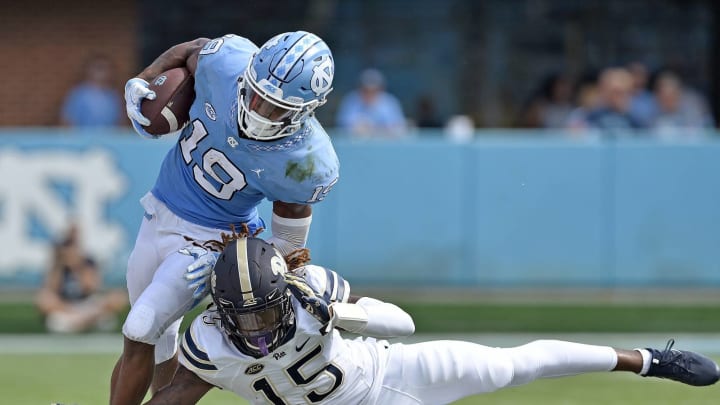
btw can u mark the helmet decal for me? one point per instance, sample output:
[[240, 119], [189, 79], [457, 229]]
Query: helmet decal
[[278, 265], [322, 77]]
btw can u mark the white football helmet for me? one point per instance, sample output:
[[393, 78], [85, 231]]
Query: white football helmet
[[285, 81]]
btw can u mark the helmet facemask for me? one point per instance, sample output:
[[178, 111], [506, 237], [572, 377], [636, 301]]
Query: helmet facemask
[[258, 329], [263, 115]]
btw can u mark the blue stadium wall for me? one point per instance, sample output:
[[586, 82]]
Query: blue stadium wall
[[501, 211]]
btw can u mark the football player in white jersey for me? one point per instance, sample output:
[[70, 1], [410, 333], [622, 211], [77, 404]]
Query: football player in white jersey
[[271, 336], [252, 136]]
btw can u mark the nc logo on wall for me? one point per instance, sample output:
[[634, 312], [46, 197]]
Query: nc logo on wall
[[47, 188]]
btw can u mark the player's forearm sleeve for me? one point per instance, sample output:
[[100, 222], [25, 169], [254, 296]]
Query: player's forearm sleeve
[[289, 234], [373, 317]]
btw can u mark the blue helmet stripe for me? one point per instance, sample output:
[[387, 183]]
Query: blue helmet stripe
[[300, 57], [294, 54]]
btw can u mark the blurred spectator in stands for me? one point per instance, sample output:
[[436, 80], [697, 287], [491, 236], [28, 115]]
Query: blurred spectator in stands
[[94, 101], [71, 300], [642, 104], [551, 104], [615, 89], [460, 128], [370, 111], [426, 115], [679, 110], [587, 98]]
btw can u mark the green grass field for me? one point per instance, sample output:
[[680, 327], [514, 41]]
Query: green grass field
[[21, 317], [84, 379]]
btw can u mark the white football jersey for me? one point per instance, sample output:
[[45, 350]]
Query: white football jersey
[[309, 369]]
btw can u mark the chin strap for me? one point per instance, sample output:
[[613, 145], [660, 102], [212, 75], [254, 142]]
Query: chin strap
[[263, 346]]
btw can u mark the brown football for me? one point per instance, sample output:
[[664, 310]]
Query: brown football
[[170, 111]]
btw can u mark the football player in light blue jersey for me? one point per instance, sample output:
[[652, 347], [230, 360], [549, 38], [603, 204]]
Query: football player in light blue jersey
[[252, 135], [272, 337]]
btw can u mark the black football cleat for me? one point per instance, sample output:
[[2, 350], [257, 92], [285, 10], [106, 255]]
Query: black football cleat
[[684, 366]]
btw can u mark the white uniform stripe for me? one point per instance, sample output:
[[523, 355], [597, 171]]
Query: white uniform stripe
[[196, 354], [333, 293], [344, 296], [243, 269], [170, 117]]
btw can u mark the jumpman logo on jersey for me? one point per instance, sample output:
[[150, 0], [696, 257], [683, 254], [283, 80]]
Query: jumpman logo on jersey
[[257, 171]]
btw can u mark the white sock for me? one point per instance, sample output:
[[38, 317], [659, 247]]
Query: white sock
[[647, 360]]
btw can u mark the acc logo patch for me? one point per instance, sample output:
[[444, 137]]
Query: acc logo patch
[[254, 369]]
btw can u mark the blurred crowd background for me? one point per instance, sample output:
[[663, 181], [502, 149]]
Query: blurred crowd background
[[533, 166], [486, 64], [535, 208]]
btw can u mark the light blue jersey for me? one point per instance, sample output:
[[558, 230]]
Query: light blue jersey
[[215, 178]]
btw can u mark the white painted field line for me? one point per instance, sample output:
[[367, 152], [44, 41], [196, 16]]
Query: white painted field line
[[707, 343], [61, 344]]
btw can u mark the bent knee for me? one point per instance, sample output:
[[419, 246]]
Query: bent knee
[[141, 325]]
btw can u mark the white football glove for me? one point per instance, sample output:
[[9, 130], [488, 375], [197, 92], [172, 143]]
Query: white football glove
[[136, 89], [311, 300], [198, 272]]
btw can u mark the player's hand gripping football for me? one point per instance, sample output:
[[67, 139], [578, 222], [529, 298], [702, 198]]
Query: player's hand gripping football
[[311, 301], [198, 272], [136, 89]]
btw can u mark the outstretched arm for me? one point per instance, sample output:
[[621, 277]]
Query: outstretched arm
[[371, 317], [326, 296], [186, 388]]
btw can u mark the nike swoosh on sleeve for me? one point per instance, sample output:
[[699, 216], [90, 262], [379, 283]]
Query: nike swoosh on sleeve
[[298, 348]]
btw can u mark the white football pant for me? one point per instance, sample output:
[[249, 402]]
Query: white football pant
[[159, 296], [440, 372]]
